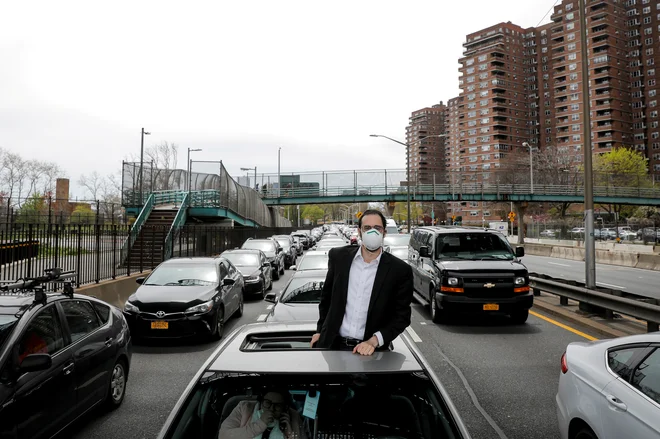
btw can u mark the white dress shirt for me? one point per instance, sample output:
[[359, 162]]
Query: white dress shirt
[[360, 284]]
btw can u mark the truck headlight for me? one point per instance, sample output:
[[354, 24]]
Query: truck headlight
[[520, 281], [453, 281]]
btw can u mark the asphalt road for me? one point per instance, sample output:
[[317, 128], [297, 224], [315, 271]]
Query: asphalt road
[[632, 280], [501, 377]]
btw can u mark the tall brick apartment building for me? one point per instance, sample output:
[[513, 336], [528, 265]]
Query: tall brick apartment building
[[525, 85]]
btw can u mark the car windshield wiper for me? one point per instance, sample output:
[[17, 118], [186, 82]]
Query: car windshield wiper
[[189, 282], [498, 257], [306, 288], [457, 257]]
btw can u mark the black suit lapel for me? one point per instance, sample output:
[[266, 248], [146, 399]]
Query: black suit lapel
[[381, 275], [345, 264]]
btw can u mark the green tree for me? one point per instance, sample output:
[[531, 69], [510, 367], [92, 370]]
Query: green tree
[[34, 210], [312, 213], [400, 213], [621, 168], [83, 214]]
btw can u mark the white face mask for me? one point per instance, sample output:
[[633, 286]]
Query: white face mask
[[372, 240]]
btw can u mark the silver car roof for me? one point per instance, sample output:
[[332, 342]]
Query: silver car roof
[[232, 358]]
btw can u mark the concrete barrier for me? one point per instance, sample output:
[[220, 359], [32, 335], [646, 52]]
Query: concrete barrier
[[115, 292], [644, 261]]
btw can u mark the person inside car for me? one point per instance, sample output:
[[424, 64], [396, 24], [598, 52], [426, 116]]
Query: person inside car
[[272, 416]]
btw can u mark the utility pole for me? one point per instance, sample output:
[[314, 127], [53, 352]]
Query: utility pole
[[589, 239], [144, 133], [279, 180]]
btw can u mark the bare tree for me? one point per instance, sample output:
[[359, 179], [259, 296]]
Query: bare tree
[[94, 184], [13, 174]]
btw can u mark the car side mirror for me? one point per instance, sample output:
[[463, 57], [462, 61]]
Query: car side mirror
[[520, 252], [293, 268], [36, 362], [228, 281], [140, 280], [424, 252], [271, 297]]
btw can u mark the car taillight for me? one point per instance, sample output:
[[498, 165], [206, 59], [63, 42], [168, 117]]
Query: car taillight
[[564, 363]]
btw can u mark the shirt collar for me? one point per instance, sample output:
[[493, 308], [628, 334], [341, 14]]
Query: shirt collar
[[358, 255]]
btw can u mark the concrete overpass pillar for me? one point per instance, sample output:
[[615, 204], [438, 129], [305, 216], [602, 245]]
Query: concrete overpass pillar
[[519, 209]]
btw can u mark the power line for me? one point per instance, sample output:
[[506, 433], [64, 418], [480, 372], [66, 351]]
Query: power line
[[546, 14]]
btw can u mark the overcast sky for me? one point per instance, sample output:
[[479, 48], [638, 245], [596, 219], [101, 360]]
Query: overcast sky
[[238, 79]]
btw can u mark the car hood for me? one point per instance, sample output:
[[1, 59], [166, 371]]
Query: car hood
[[170, 298], [248, 271], [284, 312], [479, 266]]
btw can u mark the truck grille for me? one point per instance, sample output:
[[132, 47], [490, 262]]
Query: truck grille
[[488, 285]]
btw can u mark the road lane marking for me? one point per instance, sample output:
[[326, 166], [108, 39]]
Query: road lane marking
[[269, 307], [610, 285], [473, 396], [561, 325], [262, 317], [557, 263], [416, 338], [422, 323]]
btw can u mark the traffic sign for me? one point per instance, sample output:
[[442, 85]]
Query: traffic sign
[[512, 216], [358, 215]]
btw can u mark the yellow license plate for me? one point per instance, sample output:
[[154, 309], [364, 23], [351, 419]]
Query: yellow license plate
[[159, 325], [491, 307]]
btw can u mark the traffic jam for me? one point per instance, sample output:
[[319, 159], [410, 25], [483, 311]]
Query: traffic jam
[[63, 354]]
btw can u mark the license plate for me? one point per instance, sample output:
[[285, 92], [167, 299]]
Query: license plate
[[491, 307], [159, 325]]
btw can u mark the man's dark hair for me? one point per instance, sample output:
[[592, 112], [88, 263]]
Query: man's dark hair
[[372, 212]]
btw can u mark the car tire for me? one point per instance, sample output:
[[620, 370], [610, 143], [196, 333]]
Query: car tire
[[585, 433], [219, 324], [262, 292], [519, 317], [282, 270], [241, 304], [276, 274], [437, 315], [117, 385]]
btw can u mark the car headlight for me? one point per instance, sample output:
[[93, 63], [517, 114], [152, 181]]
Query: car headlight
[[201, 308], [453, 281], [129, 307], [520, 281], [251, 278]]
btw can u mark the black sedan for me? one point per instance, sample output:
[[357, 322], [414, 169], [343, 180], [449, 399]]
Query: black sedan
[[290, 252], [61, 355], [185, 297], [254, 267], [273, 251]]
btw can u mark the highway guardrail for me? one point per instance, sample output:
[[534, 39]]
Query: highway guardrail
[[643, 308]]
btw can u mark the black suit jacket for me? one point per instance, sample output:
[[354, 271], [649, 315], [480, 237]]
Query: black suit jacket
[[389, 307]]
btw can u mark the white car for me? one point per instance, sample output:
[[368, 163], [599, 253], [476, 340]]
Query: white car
[[610, 389]]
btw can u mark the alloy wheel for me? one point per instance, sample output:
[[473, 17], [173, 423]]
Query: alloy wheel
[[118, 382]]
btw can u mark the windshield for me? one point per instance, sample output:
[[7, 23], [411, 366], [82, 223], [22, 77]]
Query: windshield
[[396, 240], [392, 230], [7, 323], [303, 290], [242, 259], [183, 274], [473, 246], [285, 243], [313, 262], [392, 405], [400, 252], [264, 246]]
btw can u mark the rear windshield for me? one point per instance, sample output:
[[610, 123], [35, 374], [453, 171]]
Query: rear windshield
[[347, 406], [183, 274], [396, 240], [313, 262], [242, 259], [473, 246], [264, 246]]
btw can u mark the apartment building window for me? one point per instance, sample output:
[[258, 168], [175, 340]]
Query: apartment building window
[[652, 93], [472, 105], [483, 102], [470, 88], [548, 130], [485, 157], [472, 132], [637, 84], [648, 41], [471, 96], [571, 36], [482, 67], [484, 111], [572, 56], [571, 46], [469, 62], [570, 16], [575, 127], [483, 75], [573, 87], [482, 58], [485, 129], [485, 148], [654, 124], [654, 113], [655, 135], [472, 114], [650, 61], [653, 104], [575, 107], [472, 149], [574, 66], [470, 79], [485, 138], [472, 159], [575, 117], [472, 123], [647, 20], [470, 70], [483, 84], [576, 137], [573, 76], [646, 10], [483, 93], [575, 97], [651, 72]]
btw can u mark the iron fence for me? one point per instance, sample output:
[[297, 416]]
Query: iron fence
[[94, 251]]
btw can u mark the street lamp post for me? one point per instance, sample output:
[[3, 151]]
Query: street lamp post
[[531, 167], [255, 175], [279, 180], [144, 133], [407, 145], [190, 167]]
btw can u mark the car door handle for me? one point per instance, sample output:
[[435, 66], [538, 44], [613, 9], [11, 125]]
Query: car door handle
[[68, 369], [108, 341], [616, 402]]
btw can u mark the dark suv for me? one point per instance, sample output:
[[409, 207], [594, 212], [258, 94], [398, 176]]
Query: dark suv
[[471, 270]]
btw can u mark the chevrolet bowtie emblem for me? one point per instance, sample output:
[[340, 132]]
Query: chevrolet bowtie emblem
[[489, 285]]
